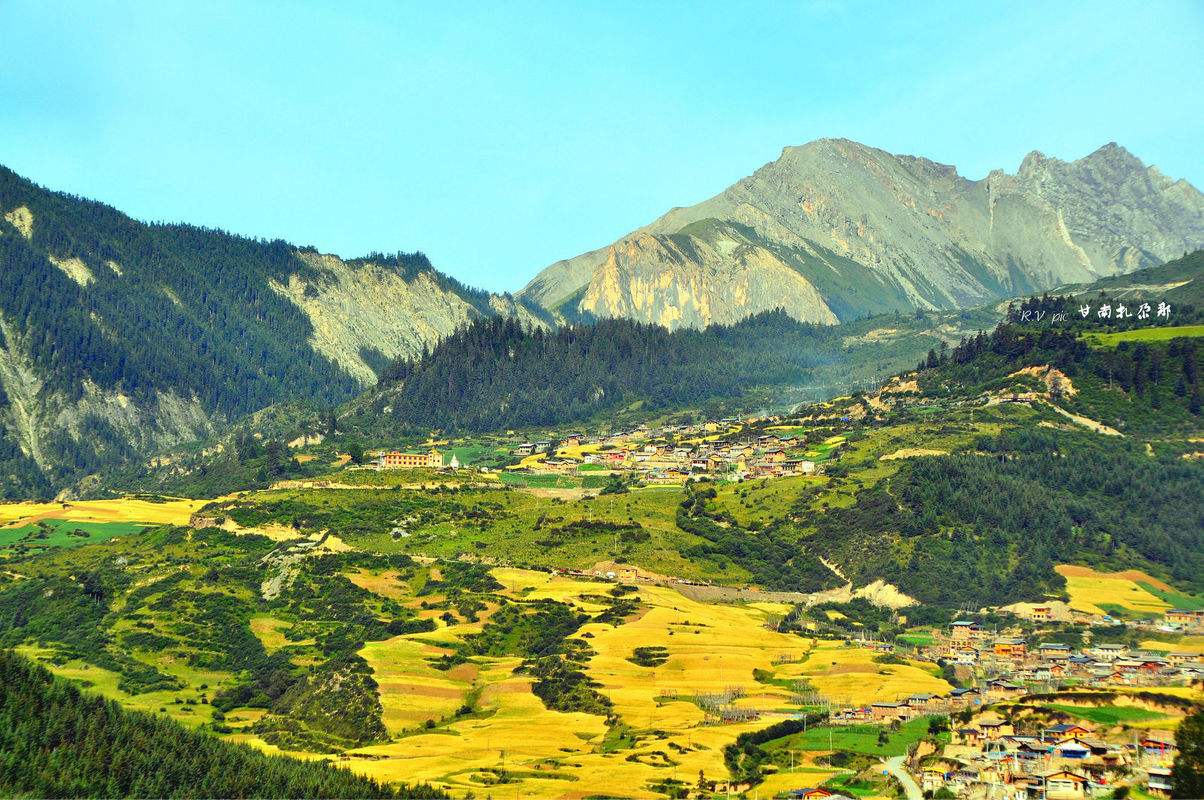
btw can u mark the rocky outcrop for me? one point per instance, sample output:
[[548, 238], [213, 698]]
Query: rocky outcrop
[[361, 308], [869, 231], [694, 281], [47, 424]]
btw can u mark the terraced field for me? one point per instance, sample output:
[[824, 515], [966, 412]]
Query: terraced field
[[127, 509], [478, 723], [1108, 592]]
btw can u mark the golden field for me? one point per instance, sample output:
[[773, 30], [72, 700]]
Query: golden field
[[712, 649], [126, 509], [1089, 590]]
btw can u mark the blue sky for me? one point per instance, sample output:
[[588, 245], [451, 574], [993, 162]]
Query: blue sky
[[498, 137]]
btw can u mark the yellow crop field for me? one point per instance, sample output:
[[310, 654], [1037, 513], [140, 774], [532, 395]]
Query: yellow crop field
[[515, 732], [1090, 591], [412, 691], [578, 451], [712, 650], [126, 509], [849, 675], [799, 778], [270, 631], [383, 583], [1188, 644]]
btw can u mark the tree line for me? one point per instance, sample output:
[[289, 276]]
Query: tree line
[[57, 741], [500, 373]]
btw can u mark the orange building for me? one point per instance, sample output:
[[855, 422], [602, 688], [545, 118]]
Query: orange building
[[395, 459], [1010, 647]]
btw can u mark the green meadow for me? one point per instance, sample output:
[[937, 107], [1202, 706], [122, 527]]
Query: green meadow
[[1150, 334], [55, 533]]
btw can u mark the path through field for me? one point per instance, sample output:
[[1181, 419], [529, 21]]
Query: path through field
[[895, 767]]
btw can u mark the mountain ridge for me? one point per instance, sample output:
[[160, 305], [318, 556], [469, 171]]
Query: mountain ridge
[[120, 337], [930, 237]]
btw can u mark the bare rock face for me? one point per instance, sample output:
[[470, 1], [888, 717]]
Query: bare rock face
[[867, 231], [686, 280], [359, 307], [356, 308]]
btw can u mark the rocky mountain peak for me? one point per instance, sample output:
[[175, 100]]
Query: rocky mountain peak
[[871, 231]]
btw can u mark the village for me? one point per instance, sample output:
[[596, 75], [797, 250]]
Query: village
[[1028, 718], [1019, 724], [731, 449]]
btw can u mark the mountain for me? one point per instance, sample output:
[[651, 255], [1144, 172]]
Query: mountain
[[119, 337], [833, 230]]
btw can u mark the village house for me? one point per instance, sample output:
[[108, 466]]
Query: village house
[[1109, 652], [1158, 781], [995, 728], [1185, 618], [1148, 665], [1010, 648], [1160, 744], [968, 736], [965, 697], [1063, 785], [963, 631], [1073, 748], [1054, 651], [921, 703], [817, 793], [1031, 751], [932, 778], [888, 711], [774, 456], [1000, 688], [1063, 731]]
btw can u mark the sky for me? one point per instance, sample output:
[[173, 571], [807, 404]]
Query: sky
[[500, 137]]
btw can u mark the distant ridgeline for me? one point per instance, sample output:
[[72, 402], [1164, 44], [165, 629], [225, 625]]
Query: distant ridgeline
[[61, 742], [498, 374]]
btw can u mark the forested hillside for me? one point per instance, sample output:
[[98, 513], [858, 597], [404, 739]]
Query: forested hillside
[[1109, 490], [60, 742], [1054, 498], [119, 337], [1180, 281], [498, 374]]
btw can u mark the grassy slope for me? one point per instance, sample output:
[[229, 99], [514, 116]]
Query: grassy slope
[[1153, 334]]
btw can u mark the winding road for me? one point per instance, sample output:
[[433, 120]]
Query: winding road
[[895, 767]]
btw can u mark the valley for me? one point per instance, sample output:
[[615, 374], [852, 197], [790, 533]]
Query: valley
[[407, 401], [681, 606]]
